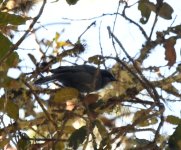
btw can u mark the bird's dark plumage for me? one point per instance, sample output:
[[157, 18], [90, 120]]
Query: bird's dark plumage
[[85, 78]]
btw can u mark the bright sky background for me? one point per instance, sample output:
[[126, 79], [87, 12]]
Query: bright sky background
[[125, 31]]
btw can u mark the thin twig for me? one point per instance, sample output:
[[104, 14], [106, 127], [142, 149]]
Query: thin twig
[[41, 105], [93, 23]]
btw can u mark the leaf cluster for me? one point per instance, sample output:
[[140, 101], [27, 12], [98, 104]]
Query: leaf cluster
[[63, 118]]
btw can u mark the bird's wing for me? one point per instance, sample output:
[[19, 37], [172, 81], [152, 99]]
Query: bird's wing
[[81, 80], [83, 77], [46, 79], [74, 69]]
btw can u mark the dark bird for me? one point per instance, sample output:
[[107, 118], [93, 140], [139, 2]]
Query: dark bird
[[85, 78]]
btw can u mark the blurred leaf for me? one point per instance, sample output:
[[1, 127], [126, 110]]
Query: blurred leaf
[[11, 108], [126, 76], [135, 142], [33, 59], [72, 2], [143, 123], [13, 60], [65, 94], [174, 141], [151, 6], [7, 18], [8, 82], [101, 128], [107, 121], [90, 99], [57, 36], [173, 119], [104, 134], [69, 128], [170, 54], [12, 83], [148, 122], [63, 43], [145, 12], [1, 104], [176, 29], [59, 146], [78, 137], [78, 48], [168, 87], [141, 142], [96, 106], [4, 46], [96, 59], [3, 142], [23, 143], [60, 44], [165, 11], [106, 141], [7, 30]]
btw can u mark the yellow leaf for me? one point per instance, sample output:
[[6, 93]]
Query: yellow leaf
[[57, 36], [63, 43]]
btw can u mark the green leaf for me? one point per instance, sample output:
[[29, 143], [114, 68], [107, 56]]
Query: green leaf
[[12, 60], [3, 143], [144, 122], [65, 94], [4, 46], [174, 141], [145, 12], [72, 2], [59, 145], [173, 119], [96, 59], [78, 137], [8, 82], [7, 18], [1, 104], [176, 29], [11, 108]]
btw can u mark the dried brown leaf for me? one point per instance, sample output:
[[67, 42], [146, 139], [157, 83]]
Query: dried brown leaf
[[170, 54], [90, 99]]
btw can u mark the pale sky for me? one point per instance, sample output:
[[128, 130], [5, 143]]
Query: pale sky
[[126, 32]]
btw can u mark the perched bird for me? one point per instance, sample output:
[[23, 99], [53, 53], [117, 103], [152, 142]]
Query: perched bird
[[84, 78]]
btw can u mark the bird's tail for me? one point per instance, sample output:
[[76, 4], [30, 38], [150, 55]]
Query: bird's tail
[[45, 80]]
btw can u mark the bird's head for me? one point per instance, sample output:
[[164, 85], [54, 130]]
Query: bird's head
[[106, 77]]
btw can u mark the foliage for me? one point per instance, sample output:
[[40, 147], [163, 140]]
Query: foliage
[[50, 115]]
